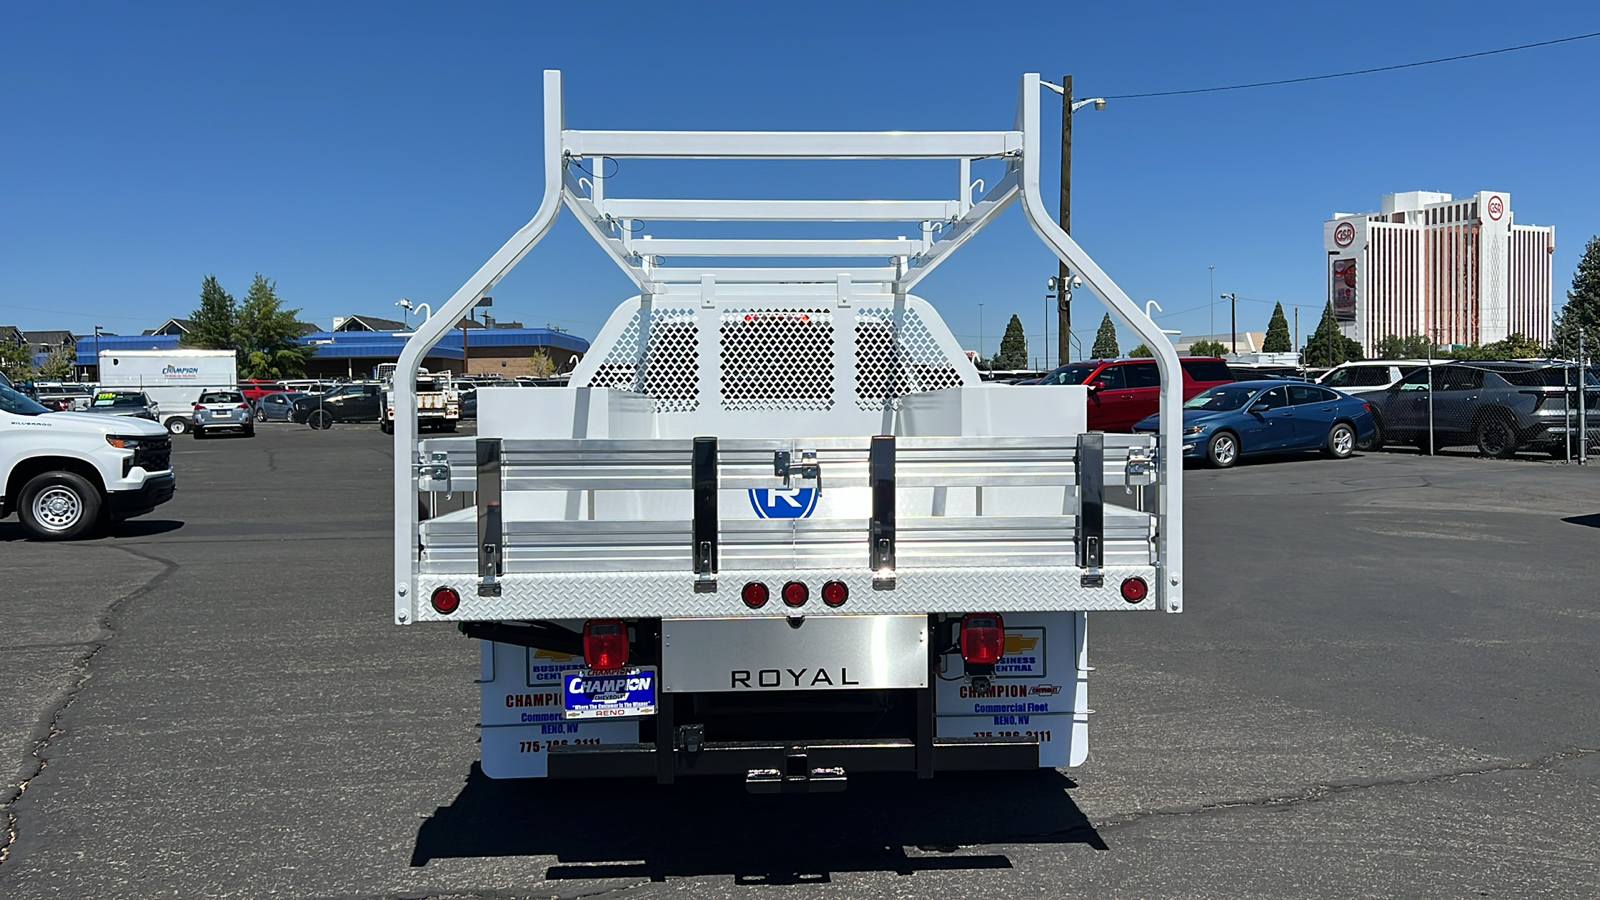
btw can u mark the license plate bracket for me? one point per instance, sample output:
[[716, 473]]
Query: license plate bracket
[[587, 694]]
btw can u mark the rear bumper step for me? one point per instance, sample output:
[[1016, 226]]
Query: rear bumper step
[[787, 766]]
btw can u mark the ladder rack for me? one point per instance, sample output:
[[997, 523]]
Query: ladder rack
[[715, 271]]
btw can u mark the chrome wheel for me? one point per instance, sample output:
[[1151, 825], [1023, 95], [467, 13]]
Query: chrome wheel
[[1342, 441], [58, 508], [1223, 451]]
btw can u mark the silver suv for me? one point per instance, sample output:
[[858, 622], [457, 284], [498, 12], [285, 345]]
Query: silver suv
[[1502, 407], [1360, 378]]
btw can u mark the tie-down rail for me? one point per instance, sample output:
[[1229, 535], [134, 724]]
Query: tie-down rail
[[618, 527]]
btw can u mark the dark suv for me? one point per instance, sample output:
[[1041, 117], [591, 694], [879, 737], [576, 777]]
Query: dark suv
[[1502, 407], [1123, 391], [354, 402]]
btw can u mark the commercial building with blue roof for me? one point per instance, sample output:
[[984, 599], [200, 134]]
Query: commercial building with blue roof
[[355, 346]]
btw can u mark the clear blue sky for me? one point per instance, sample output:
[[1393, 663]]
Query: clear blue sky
[[361, 152]]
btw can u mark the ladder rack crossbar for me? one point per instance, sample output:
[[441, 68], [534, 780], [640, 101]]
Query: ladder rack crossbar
[[791, 144]]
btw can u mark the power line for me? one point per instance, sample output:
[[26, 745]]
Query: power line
[[1409, 65]]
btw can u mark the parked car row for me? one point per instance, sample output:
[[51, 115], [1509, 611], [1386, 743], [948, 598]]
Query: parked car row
[[1499, 407]]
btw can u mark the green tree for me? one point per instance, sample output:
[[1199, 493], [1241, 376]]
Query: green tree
[[1328, 346], [16, 360], [1105, 340], [1278, 339], [267, 335], [1141, 351], [1410, 347], [540, 365], [1208, 348], [1517, 346], [213, 322], [1013, 347], [60, 365], [1582, 312]]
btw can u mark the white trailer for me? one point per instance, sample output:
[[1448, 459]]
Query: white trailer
[[174, 379], [776, 528]]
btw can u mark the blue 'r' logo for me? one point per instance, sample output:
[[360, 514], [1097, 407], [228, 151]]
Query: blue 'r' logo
[[777, 503]]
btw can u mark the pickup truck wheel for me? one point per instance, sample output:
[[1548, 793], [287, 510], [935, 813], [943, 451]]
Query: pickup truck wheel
[[59, 506], [1222, 451], [386, 427], [448, 426], [177, 425]]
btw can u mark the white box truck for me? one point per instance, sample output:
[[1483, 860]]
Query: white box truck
[[174, 379], [776, 528]]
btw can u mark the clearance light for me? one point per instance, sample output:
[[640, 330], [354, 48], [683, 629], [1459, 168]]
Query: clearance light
[[1134, 589], [754, 594], [605, 644], [445, 600], [834, 593], [983, 638], [795, 593]]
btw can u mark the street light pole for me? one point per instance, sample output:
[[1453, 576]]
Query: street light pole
[[97, 353], [1211, 305], [981, 357], [1233, 326]]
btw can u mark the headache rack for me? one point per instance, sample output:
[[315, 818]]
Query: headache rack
[[628, 494]]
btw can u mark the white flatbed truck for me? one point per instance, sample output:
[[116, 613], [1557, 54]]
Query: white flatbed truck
[[776, 528]]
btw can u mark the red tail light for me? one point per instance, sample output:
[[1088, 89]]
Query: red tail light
[[445, 601], [834, 593], [795, 593], [755, 595], [605, 644], [983, 638], [199, 408], [243, 406], [1134, 589]]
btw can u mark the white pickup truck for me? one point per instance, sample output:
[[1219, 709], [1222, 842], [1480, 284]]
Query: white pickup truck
[[776, 528], [65, 473]]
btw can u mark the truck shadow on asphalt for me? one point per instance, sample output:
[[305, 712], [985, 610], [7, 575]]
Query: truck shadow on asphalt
[[712, 827]]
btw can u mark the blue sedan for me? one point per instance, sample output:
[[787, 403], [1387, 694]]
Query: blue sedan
[[1229, 421]]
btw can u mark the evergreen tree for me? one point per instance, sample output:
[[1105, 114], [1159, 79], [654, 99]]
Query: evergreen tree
[[1582, 312], [1328, 346], [1013, 347], [1105, 340], [1141, 351], [1278, 339], [267, 336], [1208, 348], [213, 322]]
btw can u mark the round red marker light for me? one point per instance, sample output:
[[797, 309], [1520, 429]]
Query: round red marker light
[[445, 600], [796, 594], [1134, 589], [754, 594], [834, 593]]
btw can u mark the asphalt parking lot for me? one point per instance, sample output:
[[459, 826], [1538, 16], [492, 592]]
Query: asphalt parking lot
[[1385, 685]]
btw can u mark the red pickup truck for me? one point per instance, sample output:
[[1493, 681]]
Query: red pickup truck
[[254, 389], [1123, 391]]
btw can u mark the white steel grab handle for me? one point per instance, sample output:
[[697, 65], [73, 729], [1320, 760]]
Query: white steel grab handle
[[428, 334]]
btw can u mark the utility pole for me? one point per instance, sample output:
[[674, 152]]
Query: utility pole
[[1063, 276], [981, 357]]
